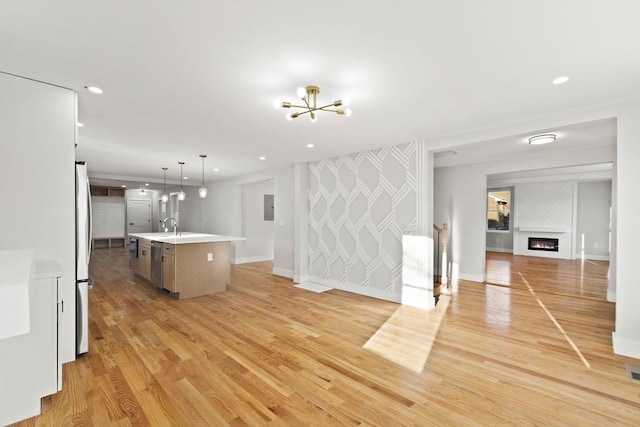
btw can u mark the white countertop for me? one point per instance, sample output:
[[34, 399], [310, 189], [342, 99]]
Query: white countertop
[[186, 237], [47, 267]]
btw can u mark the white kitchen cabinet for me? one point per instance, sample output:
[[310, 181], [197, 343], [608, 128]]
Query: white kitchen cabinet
[[37, 181], [30, 366], [48, 275]]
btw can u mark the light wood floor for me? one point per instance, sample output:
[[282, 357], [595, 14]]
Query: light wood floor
[[583, 278], [266, 353]]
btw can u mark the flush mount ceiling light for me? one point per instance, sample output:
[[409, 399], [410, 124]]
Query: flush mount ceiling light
[[203, 190], [181, 194], [165, 196], [542, 139], [310, 97]]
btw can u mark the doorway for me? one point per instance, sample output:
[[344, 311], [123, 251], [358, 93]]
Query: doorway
[[258, 208]]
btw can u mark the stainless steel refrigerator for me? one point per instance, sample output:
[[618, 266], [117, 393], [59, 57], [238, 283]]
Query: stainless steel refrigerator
[[83, 252]]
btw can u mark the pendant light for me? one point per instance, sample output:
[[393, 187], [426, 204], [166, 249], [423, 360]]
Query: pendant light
[[181, 194], [203, 190], [165, 196]]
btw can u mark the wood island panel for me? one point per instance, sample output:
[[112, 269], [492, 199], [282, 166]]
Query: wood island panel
[[144, 256], [195, 275]]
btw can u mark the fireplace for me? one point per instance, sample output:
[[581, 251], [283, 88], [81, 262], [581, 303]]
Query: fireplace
[[543, 244]]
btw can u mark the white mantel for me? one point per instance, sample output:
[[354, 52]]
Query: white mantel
[[565, 244], [534, 229]]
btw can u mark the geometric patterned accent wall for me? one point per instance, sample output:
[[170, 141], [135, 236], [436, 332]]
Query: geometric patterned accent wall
[[545, 205], [360, 205]]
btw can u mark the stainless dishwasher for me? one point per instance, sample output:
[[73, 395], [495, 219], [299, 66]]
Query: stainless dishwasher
[[156, 264]]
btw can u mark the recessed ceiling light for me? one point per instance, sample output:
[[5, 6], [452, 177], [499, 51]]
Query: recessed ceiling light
[[560, 80], [123, 186], [262, 158], [216, 170], [146, 183], [93, 89], [309, 145], [184, 177], [542, 139], [80, 125]]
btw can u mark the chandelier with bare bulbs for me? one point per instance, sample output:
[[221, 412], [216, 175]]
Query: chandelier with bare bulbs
[[309, 95]]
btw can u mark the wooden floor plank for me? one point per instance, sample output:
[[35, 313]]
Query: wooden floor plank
[[266, 353]]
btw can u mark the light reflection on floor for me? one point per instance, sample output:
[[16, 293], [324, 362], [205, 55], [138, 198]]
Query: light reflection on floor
[[501, 269], [498, 306], [407, 336], [555, 322]]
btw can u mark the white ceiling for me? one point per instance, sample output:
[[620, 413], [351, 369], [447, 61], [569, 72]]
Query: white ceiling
[[182, 78], [568, 139]]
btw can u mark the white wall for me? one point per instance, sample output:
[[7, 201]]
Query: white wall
[[221, 211], [190, 211], [37, 182], [593, 222], [258, 231], [460, 195]]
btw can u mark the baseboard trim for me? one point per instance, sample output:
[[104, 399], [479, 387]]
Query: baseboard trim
[[247, 260], [503, 250], [297, 278], [594, 257], [611, 295], [357, 289], [625, 346], [472, 277], [282, 272]]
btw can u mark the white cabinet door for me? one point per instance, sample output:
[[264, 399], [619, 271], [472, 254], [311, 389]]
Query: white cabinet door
[[31, 367]]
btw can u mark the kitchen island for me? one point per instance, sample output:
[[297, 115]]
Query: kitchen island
[[185, 265]]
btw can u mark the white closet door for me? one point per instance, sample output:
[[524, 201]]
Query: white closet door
[[138, 216]]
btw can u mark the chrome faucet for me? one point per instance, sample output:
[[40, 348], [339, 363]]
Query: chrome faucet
[[175, 225]]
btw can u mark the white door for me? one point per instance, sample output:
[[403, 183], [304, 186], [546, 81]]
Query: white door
[[138, 216]]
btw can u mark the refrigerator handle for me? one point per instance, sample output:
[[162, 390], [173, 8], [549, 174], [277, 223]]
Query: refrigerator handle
[[89, 221]]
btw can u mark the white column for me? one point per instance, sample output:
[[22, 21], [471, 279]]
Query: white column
[[417, 271], [626, 338]]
